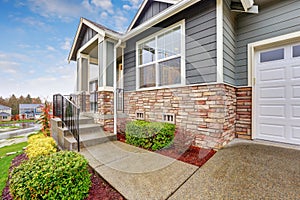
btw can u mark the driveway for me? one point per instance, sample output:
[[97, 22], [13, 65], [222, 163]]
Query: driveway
[[246, 170]]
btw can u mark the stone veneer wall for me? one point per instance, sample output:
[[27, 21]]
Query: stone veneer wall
[[244, 112], [106, 110], [206, 112]]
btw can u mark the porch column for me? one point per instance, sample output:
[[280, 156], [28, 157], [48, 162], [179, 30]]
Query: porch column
[[82, 73]]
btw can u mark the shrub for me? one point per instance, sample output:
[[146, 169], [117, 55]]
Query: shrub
[[61, 175], [149, 135], [40, 145]]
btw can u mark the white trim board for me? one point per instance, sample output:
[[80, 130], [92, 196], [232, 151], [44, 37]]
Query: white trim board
[[258, 46]]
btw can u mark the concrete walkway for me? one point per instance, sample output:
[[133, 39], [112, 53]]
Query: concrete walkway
[[242, 170]]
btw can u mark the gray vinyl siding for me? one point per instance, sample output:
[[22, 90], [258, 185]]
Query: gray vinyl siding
[[150, 10], [200, 24], [275, 19], [229, 44], [89, 34]]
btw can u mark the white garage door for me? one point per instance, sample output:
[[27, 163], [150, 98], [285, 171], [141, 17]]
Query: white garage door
[[277, 94]]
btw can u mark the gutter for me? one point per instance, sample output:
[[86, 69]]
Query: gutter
[[115, 85]]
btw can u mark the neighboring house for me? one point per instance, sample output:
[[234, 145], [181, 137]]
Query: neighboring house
[[30, 111], [5, 113], [218, 69]]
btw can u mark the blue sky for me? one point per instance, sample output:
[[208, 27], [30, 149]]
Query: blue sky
[[36, 36]]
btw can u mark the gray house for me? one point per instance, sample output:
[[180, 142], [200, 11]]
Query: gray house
[[218, 69]]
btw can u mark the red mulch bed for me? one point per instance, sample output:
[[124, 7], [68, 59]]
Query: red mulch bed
[[100, 190], [189, 154]]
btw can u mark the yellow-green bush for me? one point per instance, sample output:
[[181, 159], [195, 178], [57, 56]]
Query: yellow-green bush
[[40, 145]]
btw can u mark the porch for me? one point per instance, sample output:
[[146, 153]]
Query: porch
[[99, 82]]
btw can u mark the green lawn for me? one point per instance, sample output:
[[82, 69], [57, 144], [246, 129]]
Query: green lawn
[[6, 161], [19, 121]]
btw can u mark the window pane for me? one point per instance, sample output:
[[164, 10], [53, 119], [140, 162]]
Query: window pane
[[273, 55], [147, 52], [147, 76], [296, 51], [169, 72], [169, 43]]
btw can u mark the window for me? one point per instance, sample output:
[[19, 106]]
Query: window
[[161, 59], [140, 115], [4, 117], [296, 51], [170, 118], [272, 55]]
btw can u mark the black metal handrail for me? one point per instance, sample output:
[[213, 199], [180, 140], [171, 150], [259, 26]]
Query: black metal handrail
[[68, 112]]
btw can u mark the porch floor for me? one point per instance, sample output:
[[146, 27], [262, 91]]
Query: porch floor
[[243, 170]]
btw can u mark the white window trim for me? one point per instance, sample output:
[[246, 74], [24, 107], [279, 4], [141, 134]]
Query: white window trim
[[182, 60]]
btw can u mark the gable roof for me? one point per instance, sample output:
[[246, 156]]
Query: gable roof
[[83, 25], [2, 107], [102, 30], [4, 114], [142, 8]]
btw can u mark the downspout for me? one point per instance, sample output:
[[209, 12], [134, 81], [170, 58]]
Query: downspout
[[115, 85]]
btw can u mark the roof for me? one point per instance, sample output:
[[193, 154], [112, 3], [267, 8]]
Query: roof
[[2, 107], [4, 114], [30, 106], [142, 7], [100, 29]]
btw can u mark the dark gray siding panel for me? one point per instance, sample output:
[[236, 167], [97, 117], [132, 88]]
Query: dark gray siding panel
[[151, 9], [229, 44], [278, 18], [200, 23], [89, 34]]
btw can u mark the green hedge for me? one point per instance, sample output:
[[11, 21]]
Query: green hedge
[[149, 135], [61, 175]]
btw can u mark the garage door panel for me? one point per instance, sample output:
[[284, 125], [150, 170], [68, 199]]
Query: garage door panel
[[296, 91], [272, 75], [274, 130], [295, 111], [272, 92], [277, 96], [273, 110], [295, 133], [295, 72]]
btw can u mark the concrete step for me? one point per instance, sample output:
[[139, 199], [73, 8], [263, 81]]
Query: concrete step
[[86, 120], [90, 135]]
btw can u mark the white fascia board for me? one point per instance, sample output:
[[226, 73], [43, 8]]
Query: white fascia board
[[159, 18], [137, 15], [168, 1], [101, 31], [75, 40]]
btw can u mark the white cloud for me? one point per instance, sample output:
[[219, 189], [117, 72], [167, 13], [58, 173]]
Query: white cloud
[[62, 9], [104, 15], [104, 4], [50, 48], [126, 7], [66, 45]]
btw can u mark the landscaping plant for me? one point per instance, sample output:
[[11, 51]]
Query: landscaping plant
[[149, 135], [40, 144], [61, 175], [45, 119]]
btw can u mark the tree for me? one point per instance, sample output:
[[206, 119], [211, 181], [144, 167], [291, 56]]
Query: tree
[[21, 100], [13, 103], [28, 99], [45, 119]]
